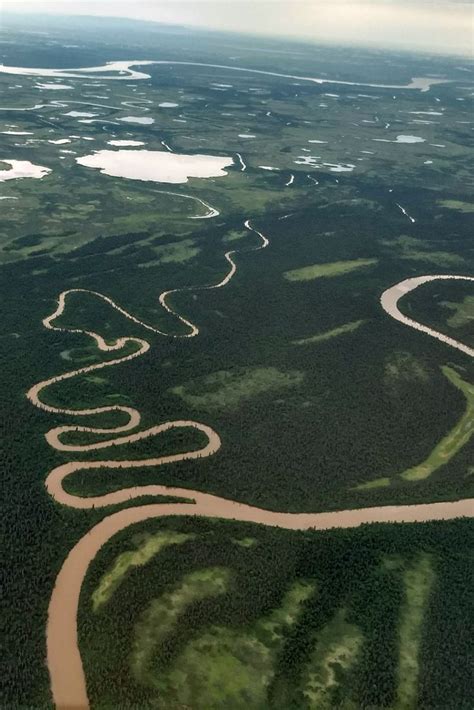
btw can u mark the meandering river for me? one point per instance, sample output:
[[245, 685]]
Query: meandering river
[[68, 684]]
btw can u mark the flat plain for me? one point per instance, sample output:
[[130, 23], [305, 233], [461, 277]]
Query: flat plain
[[235, 456]]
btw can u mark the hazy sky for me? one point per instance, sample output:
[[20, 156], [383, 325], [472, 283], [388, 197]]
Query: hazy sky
[[431, 25]]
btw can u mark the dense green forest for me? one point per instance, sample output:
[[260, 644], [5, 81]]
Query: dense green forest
[[343, 419], [382, 618]]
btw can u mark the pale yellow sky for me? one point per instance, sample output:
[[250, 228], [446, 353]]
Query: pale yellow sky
[[441, 26]]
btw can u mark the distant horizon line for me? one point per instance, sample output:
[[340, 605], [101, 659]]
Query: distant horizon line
[[300, 41]]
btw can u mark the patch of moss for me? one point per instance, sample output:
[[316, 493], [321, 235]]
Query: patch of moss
[[463, 312], [336, 650], [227, 389], [328, 334], [418, 580], [149, 548], [454, 440], [222, 667], [466, 207], [335, 268], [402, 367]]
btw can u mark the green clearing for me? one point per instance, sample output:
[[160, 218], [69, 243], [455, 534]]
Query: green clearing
[[448, 447], [460, 206], [300, 620], [402, 367], [412, 249], [354, 202], [405, 243], [245, 541], [418, 580], [222, 667], [236, 195], [96, 380], [234, 236], [236, 667], [150, 546], [335, 653], [463, 312], [437, 258], [458, 437], [335, 268], [271, 629], [161, 616], [66, 355], [226, 389], [376, 483], [176, 253], [328, 334]]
